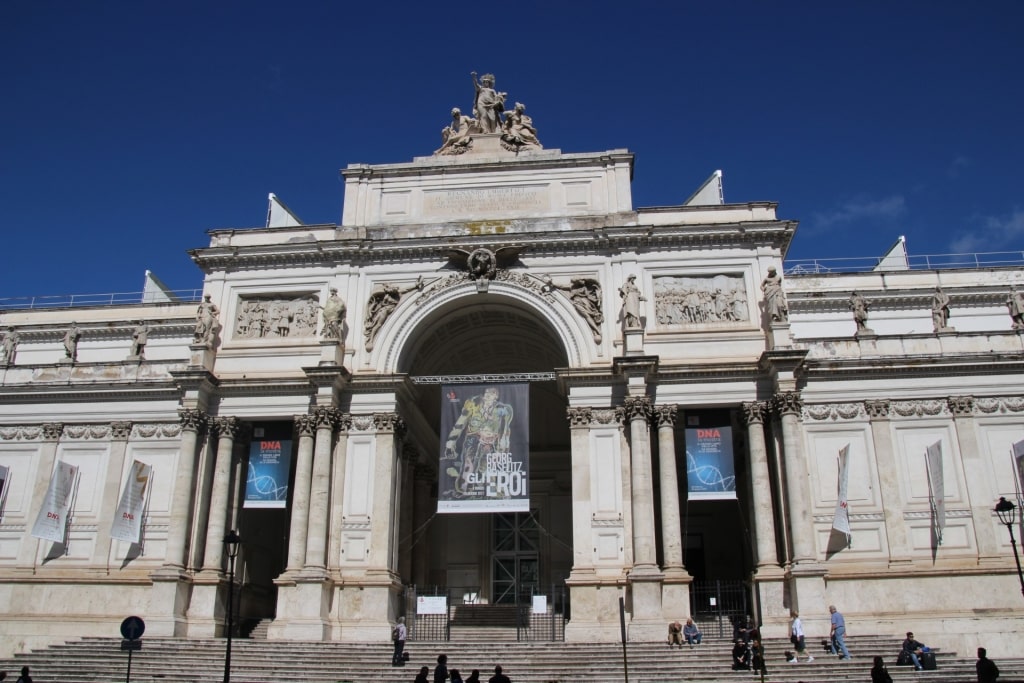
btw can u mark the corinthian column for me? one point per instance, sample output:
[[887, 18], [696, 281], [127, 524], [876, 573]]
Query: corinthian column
[[192, 423], [320, 488], [760, 483], [227, 429], [798, 490], [638, 410], [671, 529], [304, 424]]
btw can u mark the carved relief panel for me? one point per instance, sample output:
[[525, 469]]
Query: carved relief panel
[[688, 301], [276, 316]]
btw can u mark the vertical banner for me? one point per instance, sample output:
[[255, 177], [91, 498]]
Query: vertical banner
[[841, 520], [936, 487], [710, 470], [1018, 476], [51, 523], [270, 461], [485, 450], [127, 524], [3, 481]]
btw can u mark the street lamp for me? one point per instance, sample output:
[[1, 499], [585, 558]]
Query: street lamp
[[1006, 511], [231, 542]]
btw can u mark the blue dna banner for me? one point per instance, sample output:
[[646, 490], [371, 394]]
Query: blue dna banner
[[710, 470], [266, 485]]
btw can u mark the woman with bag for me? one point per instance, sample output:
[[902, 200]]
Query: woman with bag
[[796, 630]]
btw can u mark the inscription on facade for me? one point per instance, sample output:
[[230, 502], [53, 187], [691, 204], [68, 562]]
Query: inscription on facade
[[487, 200]]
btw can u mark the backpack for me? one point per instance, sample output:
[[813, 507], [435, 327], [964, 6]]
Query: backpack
[[394, 633]]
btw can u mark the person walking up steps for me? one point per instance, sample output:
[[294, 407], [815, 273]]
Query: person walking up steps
[[838, 633], [796, 631]]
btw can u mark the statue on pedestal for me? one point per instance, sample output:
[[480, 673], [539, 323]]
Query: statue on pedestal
[[333, 313], [140, 335], [631, 299], [488, 103], [206, 322], [10, 346], [940, 310], [859, 305], [774, 298], [71, 338], [1015, 304]]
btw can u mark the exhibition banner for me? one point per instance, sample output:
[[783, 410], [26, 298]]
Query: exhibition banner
[[841, 519], [3, 481], [710, 470], [51, 523], [1018, 475], [127, 524], [485, 453], [266, 485], [936, 488]]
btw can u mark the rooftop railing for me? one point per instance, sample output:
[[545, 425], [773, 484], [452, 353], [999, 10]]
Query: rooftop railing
[[898, 262], [115, 299]]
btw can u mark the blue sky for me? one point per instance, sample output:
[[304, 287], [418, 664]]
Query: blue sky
[[131, 128]]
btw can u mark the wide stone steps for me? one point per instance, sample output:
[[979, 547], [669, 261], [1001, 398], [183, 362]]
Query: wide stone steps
[[168, 660]]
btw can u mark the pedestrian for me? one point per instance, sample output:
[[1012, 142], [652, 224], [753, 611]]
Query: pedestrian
[[474, 676], [796, 636], [24, 677], [441, 670], [398, 635], [988, 672], [838, 633], [456, 677], [499, 677], [422, 676], [879, 674]]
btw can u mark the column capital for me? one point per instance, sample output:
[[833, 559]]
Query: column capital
[[120, 431], [324, 417], [878, 409], [192, 420], [305, 425], [788, 403], [52, 431], [754, 412], [389, 422], [228, 427], [666, 415], [579, 416], [961, 406], [637, 407]]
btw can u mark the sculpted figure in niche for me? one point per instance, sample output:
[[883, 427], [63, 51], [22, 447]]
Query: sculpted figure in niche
[[140, 336], [488, 103], [940, 310], [519, 132], [1015, 303], [631, 299], [333, 312], [774, 298], [71, 338], [10, 346], [859, 306], [206, 322], [456, 137], [382, 303], [585, 296]]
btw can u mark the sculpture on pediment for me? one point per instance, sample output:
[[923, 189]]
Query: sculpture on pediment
[[585, 296], [940, 310], [1015, 304], [206, 322], [456, 137], [631, 299], [71, 338], [774, 298], [9, 349], [518, 131], [333, 313], [488, 103], [482, 263], [514, 128], [140, 336], [379, 307]]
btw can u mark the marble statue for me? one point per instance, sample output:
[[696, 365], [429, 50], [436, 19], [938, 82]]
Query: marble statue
[[631, 299], [940, 310], [859, 306], [488, 103], [518, 131], [71, 338], [585, 296], [333, 313], [774, 298], [9, 349], [140, 335], [1015, 303], [206, 322], [381, 304], [456, 137]]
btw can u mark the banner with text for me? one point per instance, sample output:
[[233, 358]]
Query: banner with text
[[710, 470], [270, 461], [127, 525], [936, 489], [841, 518], [51, 523], [485, 453]]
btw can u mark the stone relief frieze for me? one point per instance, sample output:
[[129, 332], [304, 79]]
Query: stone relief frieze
[[609, 523], [688, 300], [854, 517], [832, 411], [277, 316], [1002, 404], [19, 433], [927, 514], [918, 408], [362, 423], [156, 431], [86, 431], [608, 416]]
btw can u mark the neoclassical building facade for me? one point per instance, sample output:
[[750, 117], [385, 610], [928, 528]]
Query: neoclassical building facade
[[641, 334]]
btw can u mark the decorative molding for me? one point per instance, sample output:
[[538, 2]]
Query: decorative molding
[[230, 427], [1000, 404], [960, 406], [388, 422], [927, 514], [854, 517], [612, 523], [362, 423], [21, 433], [168, 430], [52, 431], [579, 417], [87, 431], [120, 430], [833, 411], [666, 415], [877, 409], [344, 421], [356, 526], [754, 412], [192, 420], [305, 425], [788, 403], [919, 408]]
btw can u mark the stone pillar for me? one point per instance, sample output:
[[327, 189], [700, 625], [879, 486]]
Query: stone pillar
[[760, 484], [305, 425], [979, 492], [789, 405], [423, 478], [119, 433], [410, 458], [888, 482], [227, 428], [320, 489], [51, 433], [671, 527], [645, 578], [192, 424]]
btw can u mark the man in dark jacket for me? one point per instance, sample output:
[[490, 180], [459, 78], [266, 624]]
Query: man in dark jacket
[[913, 648], [988, 672]]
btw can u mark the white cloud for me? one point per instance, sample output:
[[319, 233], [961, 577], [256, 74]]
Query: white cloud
[[860, 209], [993, 233]]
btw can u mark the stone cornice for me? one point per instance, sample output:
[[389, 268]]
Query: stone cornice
[[816, 301], [891, 367]]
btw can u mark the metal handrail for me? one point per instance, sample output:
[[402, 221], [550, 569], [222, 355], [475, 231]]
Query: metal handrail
[[885, 263], [111, 299]]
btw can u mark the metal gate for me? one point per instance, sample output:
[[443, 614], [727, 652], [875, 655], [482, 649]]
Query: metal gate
[[719, 604]]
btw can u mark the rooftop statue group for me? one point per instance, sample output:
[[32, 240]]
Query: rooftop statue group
[[489, 117]]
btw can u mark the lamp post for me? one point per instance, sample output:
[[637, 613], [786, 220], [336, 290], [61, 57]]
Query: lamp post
[[1006, 511], [231, 542]]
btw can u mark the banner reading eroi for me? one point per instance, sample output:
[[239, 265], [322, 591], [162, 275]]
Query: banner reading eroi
[[841, 518], [485, 448], [266, 486], [710, 470], [52, 520], [127, 524]]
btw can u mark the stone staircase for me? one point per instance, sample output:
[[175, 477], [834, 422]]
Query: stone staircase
[[169, 660]]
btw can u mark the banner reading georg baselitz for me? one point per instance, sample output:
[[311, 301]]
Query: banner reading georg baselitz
[[485, 448]]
